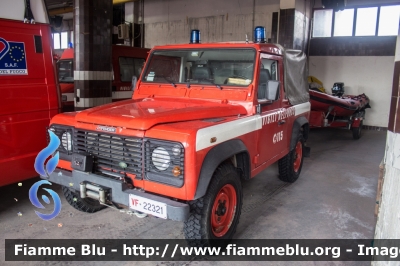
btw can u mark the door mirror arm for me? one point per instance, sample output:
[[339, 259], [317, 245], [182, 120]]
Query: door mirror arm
[[134, 81]]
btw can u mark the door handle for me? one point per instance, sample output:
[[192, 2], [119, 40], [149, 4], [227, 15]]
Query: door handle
[[281, 122]]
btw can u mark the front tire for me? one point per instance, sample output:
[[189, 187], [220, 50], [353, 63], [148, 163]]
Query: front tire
[[215, 216], [83, 205], [290, 165]]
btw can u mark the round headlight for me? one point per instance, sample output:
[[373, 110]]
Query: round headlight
[[66, 141], [160, 158], [176, 150]]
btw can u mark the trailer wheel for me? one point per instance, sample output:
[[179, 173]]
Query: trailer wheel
[[290, 165], [357, 131], [214, 217], [83, 205]]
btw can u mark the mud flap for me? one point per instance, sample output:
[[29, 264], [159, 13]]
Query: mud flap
[[306, 151]]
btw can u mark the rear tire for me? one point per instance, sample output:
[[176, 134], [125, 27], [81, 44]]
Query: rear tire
[[214, 217], [357, 131], [290, 165], [83, 205]]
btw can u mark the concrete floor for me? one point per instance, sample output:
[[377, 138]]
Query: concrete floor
[[333, 198]]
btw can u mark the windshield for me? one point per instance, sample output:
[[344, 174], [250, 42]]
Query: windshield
[[65, 71], [232, 67]]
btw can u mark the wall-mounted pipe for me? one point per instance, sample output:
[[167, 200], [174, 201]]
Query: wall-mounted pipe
[[254, 18], [141, 24]]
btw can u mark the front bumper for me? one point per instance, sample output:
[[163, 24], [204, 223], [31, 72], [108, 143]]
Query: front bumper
[[176, 211]]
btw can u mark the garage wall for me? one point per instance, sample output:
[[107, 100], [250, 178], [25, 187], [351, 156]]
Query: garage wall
[[387, 226], [170, 21], [371, 75]]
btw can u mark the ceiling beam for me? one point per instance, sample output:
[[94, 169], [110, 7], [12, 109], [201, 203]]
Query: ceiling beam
[[116, 2], [63, 10]]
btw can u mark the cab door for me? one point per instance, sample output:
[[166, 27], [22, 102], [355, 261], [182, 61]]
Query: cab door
[[272, 139]]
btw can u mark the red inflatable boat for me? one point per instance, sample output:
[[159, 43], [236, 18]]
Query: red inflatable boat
[[346, 111], [342, 106]]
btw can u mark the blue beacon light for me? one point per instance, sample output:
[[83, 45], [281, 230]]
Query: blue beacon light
[[195, 36], [259, 35]]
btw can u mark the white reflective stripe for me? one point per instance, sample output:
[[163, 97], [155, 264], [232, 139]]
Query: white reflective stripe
[[70, 97], [91, 102], [122, 94], [234, 129], [302, 108], [227, 131], [93, 75]]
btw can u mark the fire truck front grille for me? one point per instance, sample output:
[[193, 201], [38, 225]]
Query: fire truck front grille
[[115, 156]]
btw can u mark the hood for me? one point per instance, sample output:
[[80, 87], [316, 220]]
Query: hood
[[146, 113], [67, 87], [67, 54]]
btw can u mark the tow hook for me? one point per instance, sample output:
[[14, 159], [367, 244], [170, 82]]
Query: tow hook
[[306, 151], [140, 214]]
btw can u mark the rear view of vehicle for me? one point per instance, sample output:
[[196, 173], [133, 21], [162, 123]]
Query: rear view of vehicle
[[127, 63], [28, 88]]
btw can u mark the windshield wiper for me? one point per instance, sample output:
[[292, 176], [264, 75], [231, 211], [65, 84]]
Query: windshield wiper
[[216, 85], [170, 82], [212, 82]]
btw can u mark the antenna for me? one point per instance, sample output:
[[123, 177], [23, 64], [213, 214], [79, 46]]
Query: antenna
[[247, 39]]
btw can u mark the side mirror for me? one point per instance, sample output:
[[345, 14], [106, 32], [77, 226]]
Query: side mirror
[[134, 81], [272, 92]]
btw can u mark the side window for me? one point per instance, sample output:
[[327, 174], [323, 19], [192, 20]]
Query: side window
[[139, 63], [65, 71], [129, 67], [268, 81]]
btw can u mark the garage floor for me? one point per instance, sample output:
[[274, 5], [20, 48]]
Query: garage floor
[[333, 198]]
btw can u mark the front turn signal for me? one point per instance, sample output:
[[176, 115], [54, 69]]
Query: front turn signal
[[176, 171]]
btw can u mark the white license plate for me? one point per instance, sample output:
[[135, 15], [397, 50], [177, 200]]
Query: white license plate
[[148, 206]]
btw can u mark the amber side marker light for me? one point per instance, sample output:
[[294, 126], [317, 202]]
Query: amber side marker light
[[213, 139], [176, 171]]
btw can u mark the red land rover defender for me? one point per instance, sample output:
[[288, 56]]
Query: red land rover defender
[[202, 117], [126, 61]]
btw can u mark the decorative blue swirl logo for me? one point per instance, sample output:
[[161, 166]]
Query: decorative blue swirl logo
[[45, 153], [35, 201], [40, 169]]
